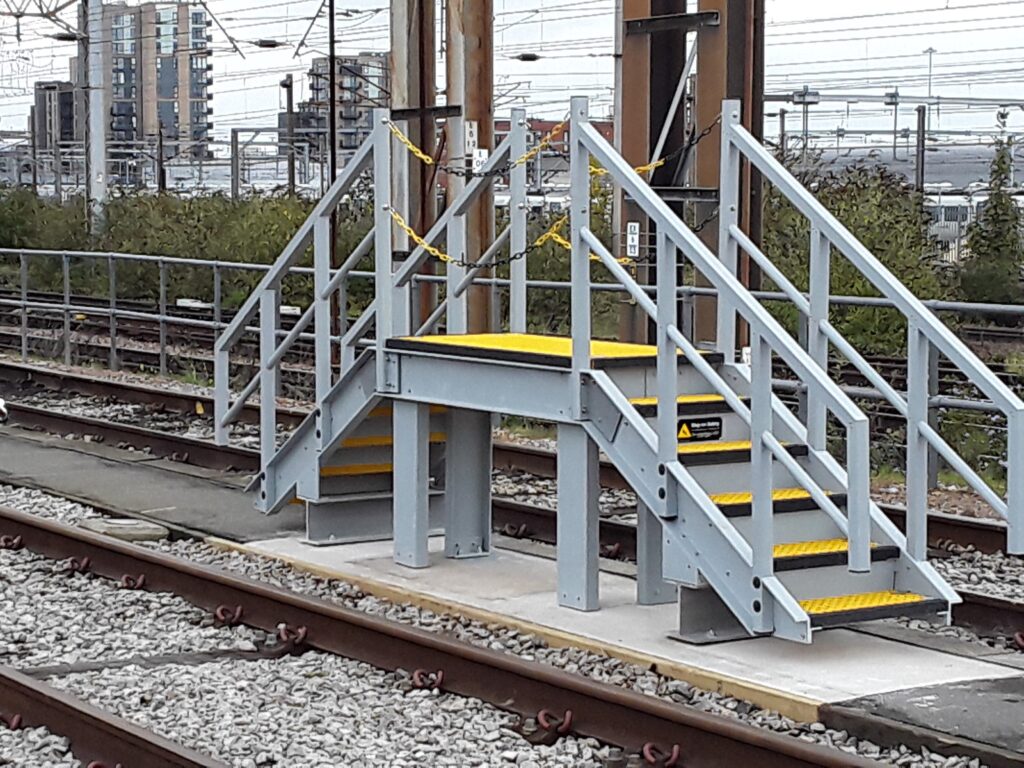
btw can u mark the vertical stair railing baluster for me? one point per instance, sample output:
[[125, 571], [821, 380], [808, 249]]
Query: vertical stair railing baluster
[[1015, 481], [761, 458], [918, 387], [817, 341], [579, 201], [384, 291], [456, 236], [668, 369], [728, 216], [322, 232], [518, 211], [270, 312]]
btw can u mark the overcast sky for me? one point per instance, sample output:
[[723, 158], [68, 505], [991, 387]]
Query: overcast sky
[[870, 49]]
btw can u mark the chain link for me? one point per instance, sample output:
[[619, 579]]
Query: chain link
[[416, 151]]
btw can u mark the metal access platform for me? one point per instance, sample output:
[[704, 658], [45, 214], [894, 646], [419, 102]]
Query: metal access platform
[[749, 520]]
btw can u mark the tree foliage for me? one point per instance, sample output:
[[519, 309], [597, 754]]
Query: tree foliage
[[991, 272], [889, 219]]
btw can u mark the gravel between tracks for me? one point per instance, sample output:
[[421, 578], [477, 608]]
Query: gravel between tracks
[[35, 748], [497, 637]]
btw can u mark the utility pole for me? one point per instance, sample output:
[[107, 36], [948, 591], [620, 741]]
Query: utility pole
[[98, 115], [892, 99], [931, 54], [413, 104], [470, 83], [332, 106], [161, 177], [782, 131], [236, 166], [35, 150], [55, 153], [288, 84], [919, 168], [731, 55]]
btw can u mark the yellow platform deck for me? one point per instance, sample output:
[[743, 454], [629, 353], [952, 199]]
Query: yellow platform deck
[[528, 349]]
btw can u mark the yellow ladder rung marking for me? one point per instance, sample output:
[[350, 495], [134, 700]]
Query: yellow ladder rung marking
[[682, 399], [352, 470], [739, 445], [821, 547], [745, 497], [859, 602], [381, 441]]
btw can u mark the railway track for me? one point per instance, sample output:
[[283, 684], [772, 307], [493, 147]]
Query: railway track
[[551, 703], [980, 613]]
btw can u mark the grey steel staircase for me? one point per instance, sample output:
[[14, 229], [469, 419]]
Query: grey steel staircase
[[746, 518]]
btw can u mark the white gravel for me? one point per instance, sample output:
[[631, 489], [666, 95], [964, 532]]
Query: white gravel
[[318, 711], [529, 647], [35, 748], [999, 575]]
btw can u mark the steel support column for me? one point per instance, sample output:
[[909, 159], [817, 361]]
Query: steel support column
[[467, 485], [411, 483], [578, 519]]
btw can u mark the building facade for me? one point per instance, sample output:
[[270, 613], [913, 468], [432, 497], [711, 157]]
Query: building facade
[[53, 113], [363, 82], [157, 77]]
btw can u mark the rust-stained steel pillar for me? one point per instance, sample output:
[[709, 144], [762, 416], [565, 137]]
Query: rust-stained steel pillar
[[413, 96], [730, 65], [470, 83], [647, 74]]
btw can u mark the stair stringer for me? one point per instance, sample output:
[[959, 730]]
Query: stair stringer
[[912, 575], [295, 468], [710, 544]]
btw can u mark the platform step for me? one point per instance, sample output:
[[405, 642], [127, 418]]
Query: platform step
[[822, 553], [694, 454], [382, 441], [783, 500], [867, 606], [535, 349], [687, 405], [356, 470]]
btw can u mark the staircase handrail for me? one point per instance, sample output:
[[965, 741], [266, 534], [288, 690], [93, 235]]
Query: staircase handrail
[[925, 331], [767, 333]]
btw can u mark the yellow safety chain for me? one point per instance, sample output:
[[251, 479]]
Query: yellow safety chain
[[543, 144], [597, 170], [416, 151], [553, 235], [437, 253]]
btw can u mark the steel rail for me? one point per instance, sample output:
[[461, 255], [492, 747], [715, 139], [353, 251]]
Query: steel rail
[[96, 737], [608, 713]]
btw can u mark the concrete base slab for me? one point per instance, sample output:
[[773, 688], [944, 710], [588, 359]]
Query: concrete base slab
[[518, 590], [130, 484]]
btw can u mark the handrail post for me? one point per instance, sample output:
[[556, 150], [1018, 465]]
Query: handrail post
[[579, 202], [322, 309], [270, 310], [517, 211], [858, 498], [457, 313], [728, 216], [668, 366], [817, 341], [918, 375], [382, 235], [1015, 482], [162, 267], [761, 460]]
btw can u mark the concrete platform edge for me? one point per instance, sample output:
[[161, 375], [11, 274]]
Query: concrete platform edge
[[797, 707]]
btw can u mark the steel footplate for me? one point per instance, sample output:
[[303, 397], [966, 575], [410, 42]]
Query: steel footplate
[[867, 606]]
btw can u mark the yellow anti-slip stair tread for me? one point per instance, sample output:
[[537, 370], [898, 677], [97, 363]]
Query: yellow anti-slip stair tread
[[745, 497], [737, 445], [859, 602], [353, 470], [379, 441], [821, 547], [682, 399]]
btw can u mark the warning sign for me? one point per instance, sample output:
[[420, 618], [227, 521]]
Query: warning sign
[[700, 429]]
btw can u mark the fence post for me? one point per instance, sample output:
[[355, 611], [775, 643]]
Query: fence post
[[728, 215], [918, 375], [114, 362], [817, 341], [162, 266], [23, 270], [218, 289], [221, 392], [579, 201], [383, 225], [517, 212], [66, 275]]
